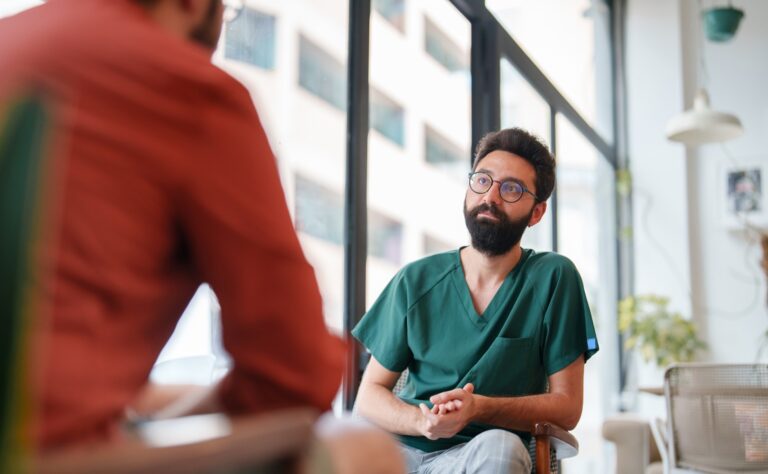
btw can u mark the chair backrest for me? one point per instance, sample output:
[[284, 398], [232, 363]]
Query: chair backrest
[[22, 153], [718, 416]]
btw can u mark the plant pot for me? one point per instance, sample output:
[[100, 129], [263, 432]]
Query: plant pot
[[721, 23]]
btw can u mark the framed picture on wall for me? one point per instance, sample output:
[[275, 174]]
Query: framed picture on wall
[[745, 194]]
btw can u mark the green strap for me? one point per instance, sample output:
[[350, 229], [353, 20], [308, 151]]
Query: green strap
[[21, 160]]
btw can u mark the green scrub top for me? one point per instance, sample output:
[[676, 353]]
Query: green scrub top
[[537, 324]]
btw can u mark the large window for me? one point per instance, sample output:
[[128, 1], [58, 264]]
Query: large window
[[586, 222], [418, 174], [577, 59], [523, 107]]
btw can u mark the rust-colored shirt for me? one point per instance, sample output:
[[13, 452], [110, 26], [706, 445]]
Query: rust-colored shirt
[[165, 180]]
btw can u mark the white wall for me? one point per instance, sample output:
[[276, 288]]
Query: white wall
[[655, 92], [730, 287], [683, 249]]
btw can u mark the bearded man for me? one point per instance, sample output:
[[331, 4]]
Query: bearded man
[[494, 336]]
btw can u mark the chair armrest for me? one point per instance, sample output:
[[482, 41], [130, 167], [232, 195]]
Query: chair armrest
[[263, 440], [550, 437], [564, 443]]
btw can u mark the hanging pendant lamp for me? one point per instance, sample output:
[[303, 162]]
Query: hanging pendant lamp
[[701, 124]]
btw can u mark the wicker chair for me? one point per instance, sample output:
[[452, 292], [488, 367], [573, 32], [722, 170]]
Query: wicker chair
[[717, 418], [549, 442]]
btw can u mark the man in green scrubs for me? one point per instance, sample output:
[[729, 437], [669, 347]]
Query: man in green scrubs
[[494, 336]]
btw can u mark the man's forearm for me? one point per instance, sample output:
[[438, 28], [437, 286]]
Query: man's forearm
[[520, 413], [382, 407]]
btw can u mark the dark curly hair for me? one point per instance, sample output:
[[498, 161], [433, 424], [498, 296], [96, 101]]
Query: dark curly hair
[[526, 146]]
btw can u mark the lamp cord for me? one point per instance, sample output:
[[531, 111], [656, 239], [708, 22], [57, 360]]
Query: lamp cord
[[753, 278]]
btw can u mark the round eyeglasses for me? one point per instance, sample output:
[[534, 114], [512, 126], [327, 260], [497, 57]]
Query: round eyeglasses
[[510, 190], [232, 9]]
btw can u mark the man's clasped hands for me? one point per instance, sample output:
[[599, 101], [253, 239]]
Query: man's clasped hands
[[451, 411]]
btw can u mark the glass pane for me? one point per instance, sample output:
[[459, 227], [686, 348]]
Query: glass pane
[[291, 56], [385, 238], [392, 10], [586, 225], [419, 145], [523, 107], [442, 153], [442, 48], [387, 117], [321, 74], [319, 211], [577, 59], [250, 38]]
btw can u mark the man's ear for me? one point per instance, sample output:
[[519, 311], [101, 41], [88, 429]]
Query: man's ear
[[538, 212]]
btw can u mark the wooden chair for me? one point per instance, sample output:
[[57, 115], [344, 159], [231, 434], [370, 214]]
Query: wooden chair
[[549, 442]]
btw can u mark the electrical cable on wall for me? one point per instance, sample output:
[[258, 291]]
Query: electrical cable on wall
[[667, 257]]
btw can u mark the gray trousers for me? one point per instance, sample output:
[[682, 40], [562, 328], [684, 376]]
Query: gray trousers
[[490, 452]]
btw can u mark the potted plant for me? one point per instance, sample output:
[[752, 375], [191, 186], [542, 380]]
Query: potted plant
[[656, 333], [721, 23]]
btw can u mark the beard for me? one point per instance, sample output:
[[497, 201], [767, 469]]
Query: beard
[[494, 238], [207, 33]]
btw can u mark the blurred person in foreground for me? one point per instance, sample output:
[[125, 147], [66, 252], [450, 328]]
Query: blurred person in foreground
[[162, 179], [494, 336]]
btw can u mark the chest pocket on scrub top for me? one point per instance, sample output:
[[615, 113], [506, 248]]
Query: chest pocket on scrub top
[[505, 368]]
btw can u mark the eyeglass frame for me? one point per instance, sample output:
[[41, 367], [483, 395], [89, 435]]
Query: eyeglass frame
[[501, 183]]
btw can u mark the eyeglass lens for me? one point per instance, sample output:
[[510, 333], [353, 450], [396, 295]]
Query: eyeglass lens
[[510, 191]]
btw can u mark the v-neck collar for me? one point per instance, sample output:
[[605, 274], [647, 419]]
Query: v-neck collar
[[460, 283]]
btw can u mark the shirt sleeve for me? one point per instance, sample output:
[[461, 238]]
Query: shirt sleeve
[[384, 330], [568, 329], [235, 218]]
